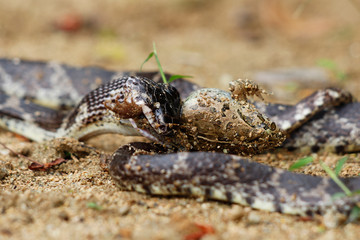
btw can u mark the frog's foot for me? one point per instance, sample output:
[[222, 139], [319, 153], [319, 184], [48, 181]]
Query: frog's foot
[[242, 88]]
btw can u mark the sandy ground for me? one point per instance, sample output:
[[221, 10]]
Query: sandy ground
[[214, 41]]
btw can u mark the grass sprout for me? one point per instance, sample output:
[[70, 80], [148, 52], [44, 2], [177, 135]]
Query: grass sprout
[[336, 179], [94, 205], [339, 165], [155, 54], [332, 67], [301, 163], [355, 211], [334, 175]]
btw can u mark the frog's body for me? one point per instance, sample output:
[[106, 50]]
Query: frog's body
[[214, 121]]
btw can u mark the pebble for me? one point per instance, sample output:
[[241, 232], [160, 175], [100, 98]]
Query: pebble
[[9, 166], [235, 213], [124, 210], [64, 216], [254, 218], [333, 219], [3, 173]]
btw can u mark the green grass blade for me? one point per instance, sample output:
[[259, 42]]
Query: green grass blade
[[333, 67], [94, 205], [174, 77], [339, 165], [336, 179], [301, 163], [327, 63], [146, 60], [154, 54], [354, 214], [159, 65]]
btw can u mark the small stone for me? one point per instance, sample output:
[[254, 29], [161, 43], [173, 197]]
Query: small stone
[[124, 210], [235, 213], [64, 216], [254, 218], [333, 219], [3, 173], [9, 166]]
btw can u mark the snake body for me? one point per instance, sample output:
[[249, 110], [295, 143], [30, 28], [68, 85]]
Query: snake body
[[136, 105], [228, 178]]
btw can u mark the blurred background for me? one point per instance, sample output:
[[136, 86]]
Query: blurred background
[[289, 46]]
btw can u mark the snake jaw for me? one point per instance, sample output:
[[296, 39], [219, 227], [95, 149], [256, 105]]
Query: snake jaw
[[143, 132], [152, 108], [155, 119]]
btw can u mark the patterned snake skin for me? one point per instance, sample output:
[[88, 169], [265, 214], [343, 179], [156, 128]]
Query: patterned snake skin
[[154, 110]]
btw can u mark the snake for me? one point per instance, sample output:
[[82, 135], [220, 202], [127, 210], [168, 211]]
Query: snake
[[202, 139]]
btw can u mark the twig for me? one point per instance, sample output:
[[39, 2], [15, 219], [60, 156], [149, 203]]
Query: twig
[[18, 154], [36, 166]]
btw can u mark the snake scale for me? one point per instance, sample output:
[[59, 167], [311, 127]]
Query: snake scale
[[200, 144]]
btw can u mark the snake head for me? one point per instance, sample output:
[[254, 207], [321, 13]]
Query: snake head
[[140, 98]]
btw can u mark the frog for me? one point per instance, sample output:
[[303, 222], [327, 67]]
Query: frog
[[226, 121]]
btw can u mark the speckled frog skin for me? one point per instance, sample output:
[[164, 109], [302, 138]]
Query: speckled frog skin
[[213, 120], [192, 139]]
